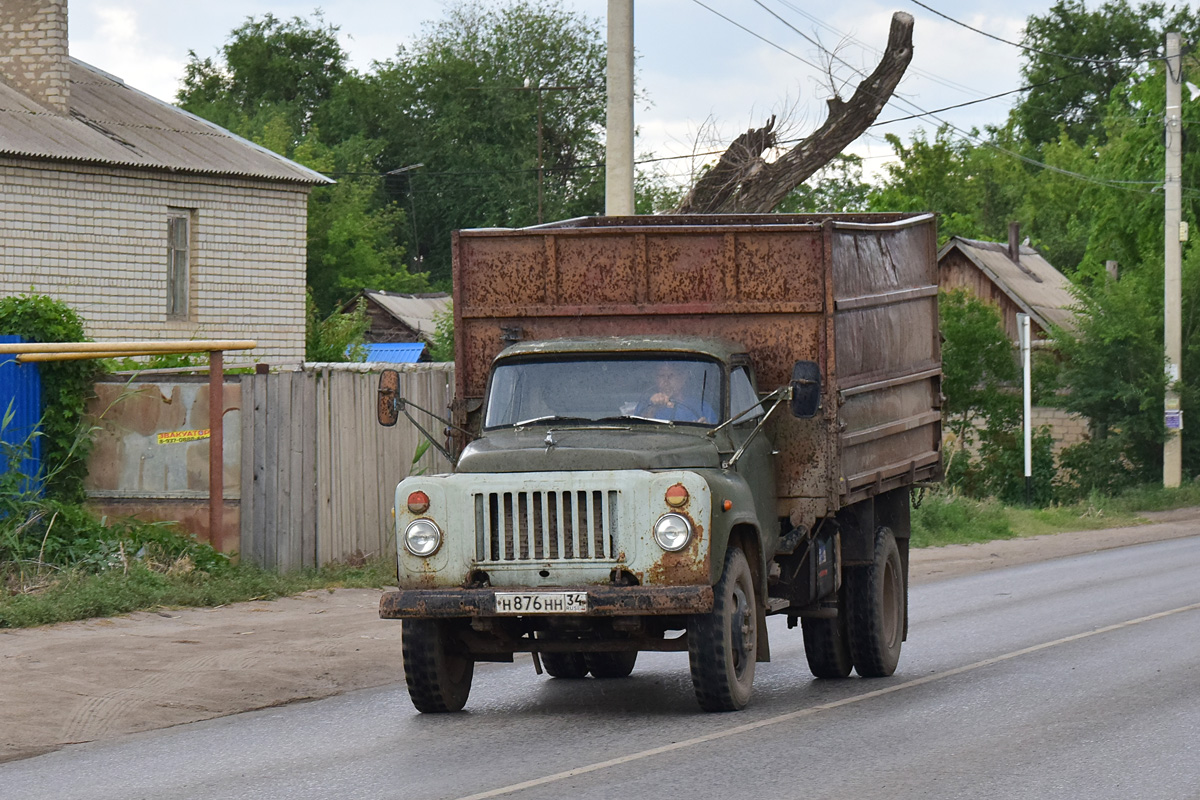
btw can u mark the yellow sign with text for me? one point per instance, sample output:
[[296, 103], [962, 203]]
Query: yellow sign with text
[[176, 437]]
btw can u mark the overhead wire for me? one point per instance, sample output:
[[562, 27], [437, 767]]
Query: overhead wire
[[1027, 48]]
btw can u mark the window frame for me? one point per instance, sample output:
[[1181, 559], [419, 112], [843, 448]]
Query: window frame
[[179, 262]]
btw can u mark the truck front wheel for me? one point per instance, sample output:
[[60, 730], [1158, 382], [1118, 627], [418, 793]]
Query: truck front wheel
[[437, 669], [723, 645], [875, 604]]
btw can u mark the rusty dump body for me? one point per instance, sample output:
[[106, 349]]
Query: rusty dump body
[[856, 293]]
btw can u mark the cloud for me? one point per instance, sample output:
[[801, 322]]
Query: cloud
[[109, 38]]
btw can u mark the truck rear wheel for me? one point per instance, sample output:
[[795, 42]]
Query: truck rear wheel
[[826, 646], [875, 604], [611, 665], [565, 665], [723, 645], [437, 669]]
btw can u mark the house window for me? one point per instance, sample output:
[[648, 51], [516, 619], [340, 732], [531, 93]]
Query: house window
[[179, 247]]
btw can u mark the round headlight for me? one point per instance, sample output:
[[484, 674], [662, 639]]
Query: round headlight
[[422, 538], [672, 532]]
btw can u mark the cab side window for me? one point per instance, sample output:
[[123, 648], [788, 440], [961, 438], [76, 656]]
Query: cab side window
[[743, 398]]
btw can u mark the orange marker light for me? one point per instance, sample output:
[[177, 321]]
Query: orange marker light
[[728, 504], [418, 502], [677, 495]]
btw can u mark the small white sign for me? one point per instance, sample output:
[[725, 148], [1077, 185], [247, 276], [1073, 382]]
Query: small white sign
[[1174, 420]]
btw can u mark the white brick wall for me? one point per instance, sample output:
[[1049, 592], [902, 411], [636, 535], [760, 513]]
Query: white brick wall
[[96, 238]]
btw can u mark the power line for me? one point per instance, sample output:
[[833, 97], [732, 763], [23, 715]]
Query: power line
[[1027, 48], [875, 51]]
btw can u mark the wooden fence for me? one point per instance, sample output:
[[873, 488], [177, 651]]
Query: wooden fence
[[318, 471]]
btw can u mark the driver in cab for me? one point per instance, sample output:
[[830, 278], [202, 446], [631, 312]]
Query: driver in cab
[[670, 401]]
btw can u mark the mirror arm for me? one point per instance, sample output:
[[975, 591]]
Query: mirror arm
[[775, 395], [784, 394], [404, 404]]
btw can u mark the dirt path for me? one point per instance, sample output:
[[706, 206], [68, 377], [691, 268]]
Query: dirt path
[[82, 681]]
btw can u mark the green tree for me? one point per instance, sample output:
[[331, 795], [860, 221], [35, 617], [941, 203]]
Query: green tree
[[1078, 57], [267, 66], [979, 365], [838, 186], [464, 101], [335, 337]]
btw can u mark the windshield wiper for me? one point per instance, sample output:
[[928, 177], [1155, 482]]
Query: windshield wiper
[[550, 418], [637, 417]]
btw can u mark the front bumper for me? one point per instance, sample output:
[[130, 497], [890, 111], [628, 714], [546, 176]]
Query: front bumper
[[603, 601]]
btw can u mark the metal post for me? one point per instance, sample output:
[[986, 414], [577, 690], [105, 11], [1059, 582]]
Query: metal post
[[1172, 253], [618, 170], [1024, 333], [216, 447]]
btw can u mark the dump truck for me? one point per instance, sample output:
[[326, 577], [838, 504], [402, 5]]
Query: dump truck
[[666, 429]]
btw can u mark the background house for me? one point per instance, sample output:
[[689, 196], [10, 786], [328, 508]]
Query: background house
[[148, 221], [1013, 277], [1017, 279], [400, 318]]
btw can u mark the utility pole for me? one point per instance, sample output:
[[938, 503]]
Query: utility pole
[[618, 169], [1172, 304], [1026, 338]]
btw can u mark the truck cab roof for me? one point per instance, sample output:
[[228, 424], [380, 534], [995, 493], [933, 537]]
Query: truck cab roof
[[719, 349]]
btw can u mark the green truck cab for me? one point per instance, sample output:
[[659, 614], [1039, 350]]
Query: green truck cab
[[661, 471]]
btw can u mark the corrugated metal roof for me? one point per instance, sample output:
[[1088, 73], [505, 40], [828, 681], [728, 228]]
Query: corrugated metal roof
[[1035, 285], [395, 352], [115, 124], [417, 311]]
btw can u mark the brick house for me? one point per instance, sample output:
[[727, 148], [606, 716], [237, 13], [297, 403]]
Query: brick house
[[148, 221]]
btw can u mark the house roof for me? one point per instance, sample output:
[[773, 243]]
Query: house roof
[[114, 124], [417, 311], [1034, 285], [395, 352]]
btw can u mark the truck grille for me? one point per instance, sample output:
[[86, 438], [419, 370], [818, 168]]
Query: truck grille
[[546, 526]]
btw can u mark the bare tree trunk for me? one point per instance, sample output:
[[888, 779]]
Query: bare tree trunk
[[742, 182]]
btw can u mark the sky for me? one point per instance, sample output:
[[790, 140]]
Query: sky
[[708, 69]]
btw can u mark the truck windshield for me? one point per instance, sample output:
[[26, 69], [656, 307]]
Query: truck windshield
[[669, 389]]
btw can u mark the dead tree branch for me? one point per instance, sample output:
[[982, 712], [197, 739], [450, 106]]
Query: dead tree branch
[[743, 182]]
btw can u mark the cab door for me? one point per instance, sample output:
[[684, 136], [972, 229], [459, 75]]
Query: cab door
[[757, 464]]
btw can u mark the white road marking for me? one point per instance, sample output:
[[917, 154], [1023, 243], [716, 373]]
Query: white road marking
[[810, 711]]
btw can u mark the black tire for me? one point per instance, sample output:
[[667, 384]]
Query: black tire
[[875, 605], [437, 669], [723, 645], [611, 665], [826, 646], [564, 665]]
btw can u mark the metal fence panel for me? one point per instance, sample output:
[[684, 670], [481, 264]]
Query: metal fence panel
[[20, 411]]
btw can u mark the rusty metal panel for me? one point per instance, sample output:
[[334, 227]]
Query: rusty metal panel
[[503, 271], [702, 271], [597, 269], [130, 459], [782, 266]]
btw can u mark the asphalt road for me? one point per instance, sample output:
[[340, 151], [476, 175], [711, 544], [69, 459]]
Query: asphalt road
[[1078, 677]]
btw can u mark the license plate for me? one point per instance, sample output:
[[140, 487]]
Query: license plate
[[541, 602]]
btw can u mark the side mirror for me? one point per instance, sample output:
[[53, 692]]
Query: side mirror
[[806, 389], [388, 407]]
